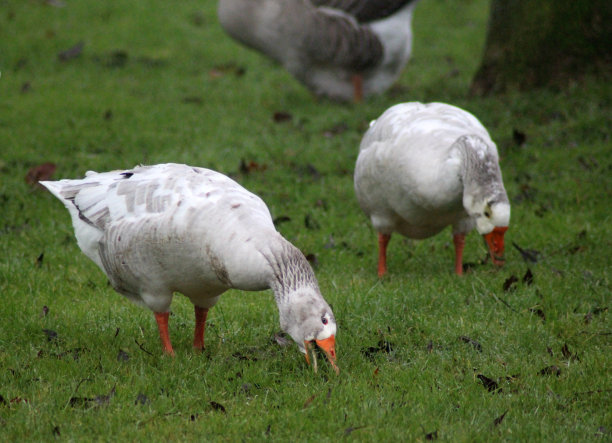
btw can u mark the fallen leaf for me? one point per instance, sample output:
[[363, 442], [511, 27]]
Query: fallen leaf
[[39, 260], [251, 166], [432, 435], [519, 137], [41, 172], [430, 346], [281, 219], [122, 355], [116, 59], [2, 400], [282, 116], [509, 282], [488, 383], [308, 401], [499, 419], [217, 406], [51, 335], [312, 259], [45, 311], [538, 312], [56, 431], [72, 52], [311, 223], [228, 68], [528, 277], [474, 343], [141, 399], [550, 370], [567, 354], [350, 429]]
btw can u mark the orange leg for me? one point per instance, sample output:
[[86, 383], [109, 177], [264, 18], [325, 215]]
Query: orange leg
[[357, 88], [200, 324], [162, 324], [459, 241], [383, 240]]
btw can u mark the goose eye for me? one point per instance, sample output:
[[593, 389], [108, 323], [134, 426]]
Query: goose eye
[[324, 320], [487, 212]]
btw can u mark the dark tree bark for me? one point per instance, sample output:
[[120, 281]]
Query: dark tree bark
[[534, 43]]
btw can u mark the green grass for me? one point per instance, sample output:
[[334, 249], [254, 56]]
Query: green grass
[[158, 83]]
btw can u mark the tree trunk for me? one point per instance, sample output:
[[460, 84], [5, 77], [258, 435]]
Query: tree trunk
[[534, 43]]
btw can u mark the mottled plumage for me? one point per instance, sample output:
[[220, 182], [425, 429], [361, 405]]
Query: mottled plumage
[[422, 167], [156, 230]]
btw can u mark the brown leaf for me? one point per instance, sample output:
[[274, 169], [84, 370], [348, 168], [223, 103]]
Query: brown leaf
[[72, 52], [510, 281], [45, 311], [56, 431], [499, 419], [550, 370], [41, 172], [350, 429], [432, 435], [308, 401], [122, 355], [39, 260], [141, 399], [567, 354], [335, 130], [217, 406], [538, 312], [518, 137], [474, 343], [282, 116], [528, 277], [251, 166], [51, 335], [488, 383]]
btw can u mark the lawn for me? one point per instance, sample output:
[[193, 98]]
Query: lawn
[[520, 353]]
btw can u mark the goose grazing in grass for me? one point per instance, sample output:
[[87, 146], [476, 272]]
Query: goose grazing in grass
[[156, 230], [342, 49], [422, 167]]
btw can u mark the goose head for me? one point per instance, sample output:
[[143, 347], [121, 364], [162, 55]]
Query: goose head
[[309, 320], [492, 218]]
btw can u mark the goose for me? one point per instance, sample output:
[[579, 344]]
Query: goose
[[342, 49], [424, 166], [166, 228]]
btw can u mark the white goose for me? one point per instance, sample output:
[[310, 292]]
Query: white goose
[[422, 167], [342, 49], [156, 230]]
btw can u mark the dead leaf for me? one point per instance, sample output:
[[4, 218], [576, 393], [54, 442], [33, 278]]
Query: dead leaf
[[528, 277], [432, 436], [56, 431], [538, 312], [141, 399], [281, 219], [350, 429], [518, 137], [217, 406], [499, 419], [567, 354], [312, 259], [282, 117], [308, 401], [474, 343], [509, 282], [227, 68], [41, 172], [51, 335], [488, 383], [72, 52], [311, 223], [122, 355], [116, 59], [39, 260], [251, 166], [550, 370], [45, 311]]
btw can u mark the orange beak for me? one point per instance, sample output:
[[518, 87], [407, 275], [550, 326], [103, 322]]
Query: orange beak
[[495, 242], [328, 346]]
